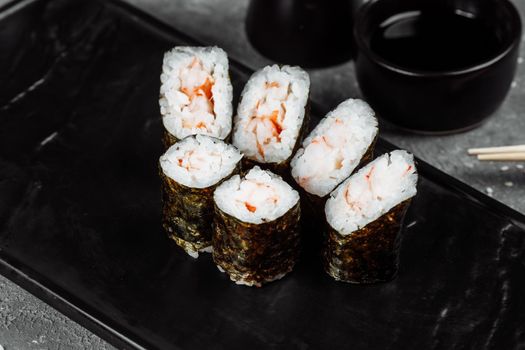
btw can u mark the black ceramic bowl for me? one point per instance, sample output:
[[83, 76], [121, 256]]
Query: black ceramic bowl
[[310, 33], [431, 87]]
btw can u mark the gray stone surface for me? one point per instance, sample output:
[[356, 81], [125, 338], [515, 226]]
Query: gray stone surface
[[28, 323]]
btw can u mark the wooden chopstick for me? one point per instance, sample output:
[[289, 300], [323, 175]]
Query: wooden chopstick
[[497, 150], [502, 156]]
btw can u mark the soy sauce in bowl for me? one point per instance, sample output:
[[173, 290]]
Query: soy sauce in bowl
[[436, 66], [435, 41]]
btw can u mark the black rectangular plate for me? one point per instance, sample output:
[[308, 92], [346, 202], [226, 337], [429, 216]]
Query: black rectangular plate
[[80, 215]]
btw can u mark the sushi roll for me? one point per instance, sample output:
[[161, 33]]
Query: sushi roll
[[364, 216], [340, 143], [195, 93], [272, 116], [190, 170], [256, 227]]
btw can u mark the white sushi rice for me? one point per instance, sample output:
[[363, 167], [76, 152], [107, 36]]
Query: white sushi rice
[[335, 147], [259, 197], [372, 192], [184, 106], [199, 161], [271, 112]]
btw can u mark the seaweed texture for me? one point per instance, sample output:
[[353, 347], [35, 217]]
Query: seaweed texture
[[254, 254], [168, 139], [368, 255], [187, 213]]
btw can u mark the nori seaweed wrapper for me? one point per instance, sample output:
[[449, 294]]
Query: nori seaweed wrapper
[[283, 168], [168, 139], [368, 255], [254, 254], [187, 213]]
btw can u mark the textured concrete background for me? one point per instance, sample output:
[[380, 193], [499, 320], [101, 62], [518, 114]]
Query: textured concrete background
[[28, 323]]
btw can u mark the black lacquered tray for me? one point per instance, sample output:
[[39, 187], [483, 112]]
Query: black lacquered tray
[[80, 215]]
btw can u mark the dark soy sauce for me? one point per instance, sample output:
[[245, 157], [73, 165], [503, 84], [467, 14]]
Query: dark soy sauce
[[434, 41]]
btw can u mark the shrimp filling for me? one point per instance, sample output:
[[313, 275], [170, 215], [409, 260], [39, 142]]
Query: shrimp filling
[[271, 113], [199, 161], [259, 197], [267, 118], [196, 92], [254, 194], [335, 147], [372, 192], [197, 109]]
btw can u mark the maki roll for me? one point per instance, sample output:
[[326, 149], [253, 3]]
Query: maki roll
[[341, 142], [364, 216], [271, 116], [190, 171], [256, 227], [195, 93]]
